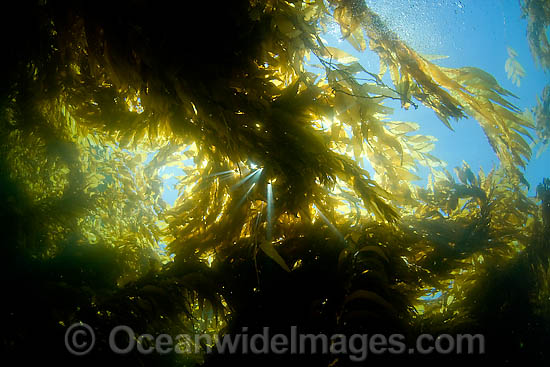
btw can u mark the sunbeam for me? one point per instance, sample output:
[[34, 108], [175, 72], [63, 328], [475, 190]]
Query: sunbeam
[[241, 202], [221, 173], [252, 175], [330, 225], [269, 229]]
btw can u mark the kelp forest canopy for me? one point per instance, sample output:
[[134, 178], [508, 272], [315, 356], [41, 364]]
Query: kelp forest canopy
[[278, 220]]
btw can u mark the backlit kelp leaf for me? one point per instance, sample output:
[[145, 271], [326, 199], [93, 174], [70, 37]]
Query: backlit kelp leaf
[[339, 55], [399, 127], [434, 57], [513, 68]]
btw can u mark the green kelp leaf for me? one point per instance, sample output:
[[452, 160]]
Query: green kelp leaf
[[268, 248]]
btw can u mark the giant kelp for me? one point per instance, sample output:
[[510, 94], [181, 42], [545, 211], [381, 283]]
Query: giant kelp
[[451, 93], [538, 16], [537, 13], [278, 221]]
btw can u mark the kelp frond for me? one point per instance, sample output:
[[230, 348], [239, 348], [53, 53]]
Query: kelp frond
[[451, 93]]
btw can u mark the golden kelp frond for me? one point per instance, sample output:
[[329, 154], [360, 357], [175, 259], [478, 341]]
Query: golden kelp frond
[[255, 101], [264, 49], [411, 74], [486, 216], [514, 70], [253, 110], [449, 92], [471, 225], [478, 197], [93, 192], [537, 13], [252, 101], [359, 129], [222, 204], [476, 194]]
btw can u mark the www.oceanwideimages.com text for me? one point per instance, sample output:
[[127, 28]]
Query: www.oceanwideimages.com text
[[80, 340]]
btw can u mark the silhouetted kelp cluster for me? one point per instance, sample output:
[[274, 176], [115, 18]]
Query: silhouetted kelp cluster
[[278, 222]]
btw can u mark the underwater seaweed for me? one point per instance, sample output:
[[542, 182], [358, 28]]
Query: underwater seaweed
[[277, 222]]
